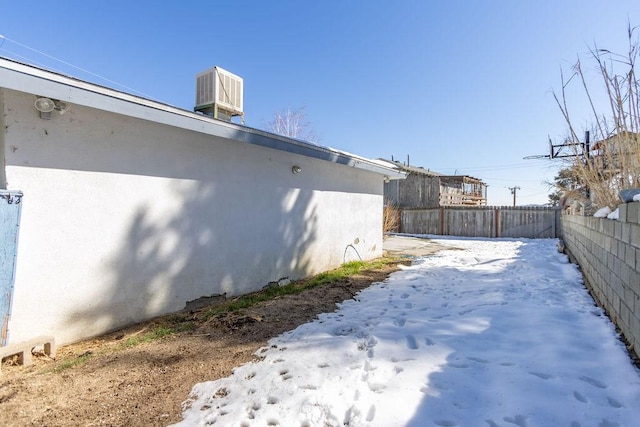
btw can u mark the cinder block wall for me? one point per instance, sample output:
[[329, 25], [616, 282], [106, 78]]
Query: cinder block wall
[[608, 252]]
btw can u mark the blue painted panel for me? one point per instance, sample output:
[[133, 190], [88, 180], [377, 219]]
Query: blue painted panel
[[10, 204]]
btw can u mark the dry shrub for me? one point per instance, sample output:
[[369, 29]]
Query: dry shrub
[[391, 218]]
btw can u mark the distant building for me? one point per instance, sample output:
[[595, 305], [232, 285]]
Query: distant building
[[426, 189], [608, 155]]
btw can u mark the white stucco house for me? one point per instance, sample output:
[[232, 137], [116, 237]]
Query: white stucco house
[[130, 208]]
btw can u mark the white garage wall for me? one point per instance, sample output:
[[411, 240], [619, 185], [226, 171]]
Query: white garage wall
[[125, 219]]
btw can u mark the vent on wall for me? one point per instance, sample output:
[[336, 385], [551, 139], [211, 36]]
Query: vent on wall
[[219, 94]]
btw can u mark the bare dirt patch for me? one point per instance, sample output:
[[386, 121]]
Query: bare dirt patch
[[110, 381]]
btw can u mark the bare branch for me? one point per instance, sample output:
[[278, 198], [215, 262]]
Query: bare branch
[[292, 123]]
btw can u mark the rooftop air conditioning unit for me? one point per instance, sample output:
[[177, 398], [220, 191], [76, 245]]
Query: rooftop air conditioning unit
[[219, 93]]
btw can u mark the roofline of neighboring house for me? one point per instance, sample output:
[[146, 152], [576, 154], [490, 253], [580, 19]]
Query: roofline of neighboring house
[[41, 82], [403, 167], [472, 178], [423, 171]]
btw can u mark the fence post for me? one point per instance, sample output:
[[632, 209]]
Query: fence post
[[496, 221]]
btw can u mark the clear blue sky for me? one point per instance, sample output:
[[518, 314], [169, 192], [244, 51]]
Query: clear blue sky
[[459, 86]]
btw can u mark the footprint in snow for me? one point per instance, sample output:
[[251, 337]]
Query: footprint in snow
[[519, 420], [371, 414], [400, 321], [458, 365], [429, 342], [309, 387], [376, 387], [541, 375], [478, 359], [579, 397], [284, 374], [441, 316], [412, 344], [614, 403], [593, 382]]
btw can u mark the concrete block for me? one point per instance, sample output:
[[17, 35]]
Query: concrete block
[[616, 286], [23, 349], [609, 260], [617, 229], [626, 232], [615, 296], [624, 318], [629, 296], [620, 249], [625, 273], [630, 256], [633, 334], [635, 236], [634, 283], [622, 212], [607, 227], [633, 212]]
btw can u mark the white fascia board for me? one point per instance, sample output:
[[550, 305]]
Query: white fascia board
[[25, 78]]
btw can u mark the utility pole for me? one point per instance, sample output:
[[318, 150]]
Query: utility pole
[[513, 191]]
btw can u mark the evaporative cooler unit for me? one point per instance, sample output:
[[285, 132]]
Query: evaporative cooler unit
[[219, 94]]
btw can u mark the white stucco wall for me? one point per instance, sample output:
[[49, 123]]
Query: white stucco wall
[[124, 219]]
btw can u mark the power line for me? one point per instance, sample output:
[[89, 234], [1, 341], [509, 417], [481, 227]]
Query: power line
[[495, 167], [3, 38]]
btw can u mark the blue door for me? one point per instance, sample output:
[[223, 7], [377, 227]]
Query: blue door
[[9, 221]]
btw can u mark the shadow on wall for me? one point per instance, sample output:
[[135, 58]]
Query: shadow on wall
[[211, 244], [168, 215]]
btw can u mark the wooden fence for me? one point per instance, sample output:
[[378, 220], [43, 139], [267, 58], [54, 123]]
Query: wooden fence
[[483, 221]]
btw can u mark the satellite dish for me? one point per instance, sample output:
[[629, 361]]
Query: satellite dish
[[45, 105]]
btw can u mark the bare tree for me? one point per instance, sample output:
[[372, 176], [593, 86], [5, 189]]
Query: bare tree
[[613, 162], [294, 124]]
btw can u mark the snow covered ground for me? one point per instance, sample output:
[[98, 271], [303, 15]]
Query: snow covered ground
[[501, 333]]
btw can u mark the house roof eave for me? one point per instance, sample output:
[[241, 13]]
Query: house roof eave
[[40, 82]]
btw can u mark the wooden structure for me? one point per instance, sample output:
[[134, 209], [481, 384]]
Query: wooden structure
[[426, 189], [610, 155], [483, 221]]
